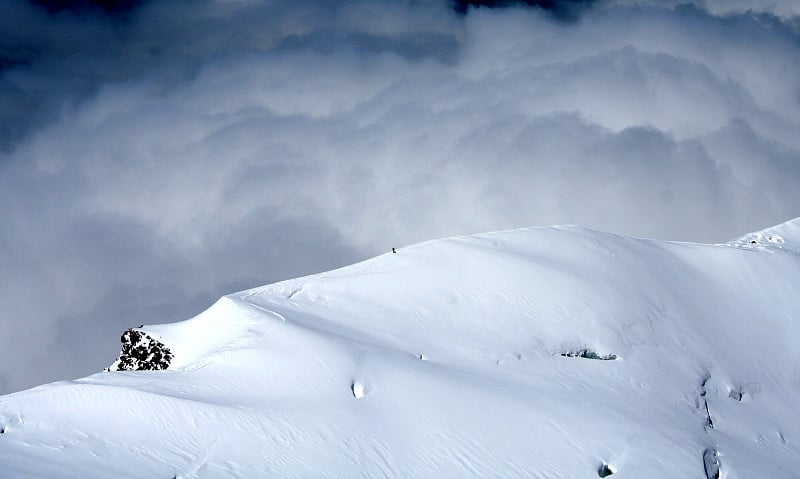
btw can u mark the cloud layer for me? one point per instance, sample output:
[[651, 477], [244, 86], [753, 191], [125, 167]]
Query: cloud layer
[[156, 159]]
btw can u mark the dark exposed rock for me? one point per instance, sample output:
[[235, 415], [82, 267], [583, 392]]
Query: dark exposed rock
[[711, 463], [605, 471], [587, 353], [140, 352], [736, 394], [709, 422]]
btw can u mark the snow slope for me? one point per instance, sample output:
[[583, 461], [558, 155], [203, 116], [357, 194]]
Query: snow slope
[[475, 356], [783, 236]]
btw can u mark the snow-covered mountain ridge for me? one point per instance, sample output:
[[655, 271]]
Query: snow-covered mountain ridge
[[783, 236], [557, 352]]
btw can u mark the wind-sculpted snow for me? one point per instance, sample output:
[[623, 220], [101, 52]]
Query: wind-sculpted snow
[[785, 236], [538, 353]]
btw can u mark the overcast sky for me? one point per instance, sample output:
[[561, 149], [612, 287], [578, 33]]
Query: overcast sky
[[155, 155]]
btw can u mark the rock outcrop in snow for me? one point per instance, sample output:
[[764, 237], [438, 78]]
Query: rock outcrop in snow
[[140, 352]]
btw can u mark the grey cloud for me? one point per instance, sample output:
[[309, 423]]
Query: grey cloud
[[99, 272], [94, 7], [198, 151], [565, 10], [781, 8], [53, 61]]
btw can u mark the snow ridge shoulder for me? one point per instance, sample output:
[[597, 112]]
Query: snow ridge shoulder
[[785, 236]]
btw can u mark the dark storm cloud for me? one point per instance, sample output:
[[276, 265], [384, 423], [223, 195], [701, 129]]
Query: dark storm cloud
[[560, 9], [162, 156], [105, 7], [60, 55]]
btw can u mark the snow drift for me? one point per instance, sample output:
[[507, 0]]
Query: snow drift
[[556, 352]]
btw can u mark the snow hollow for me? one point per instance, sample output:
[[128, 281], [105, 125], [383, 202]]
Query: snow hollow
[[557, 352]]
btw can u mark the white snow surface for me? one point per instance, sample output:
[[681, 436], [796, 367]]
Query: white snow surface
[[783, 236], [444, 360]]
